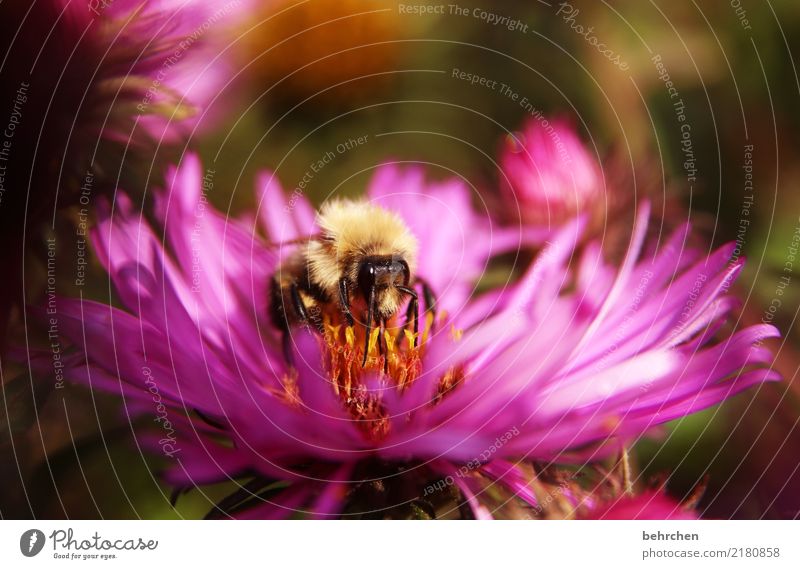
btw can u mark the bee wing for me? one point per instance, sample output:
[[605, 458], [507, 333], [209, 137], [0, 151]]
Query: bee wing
[[290, 242]]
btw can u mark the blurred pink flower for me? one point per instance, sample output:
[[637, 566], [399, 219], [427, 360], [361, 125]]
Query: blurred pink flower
[[83, 80], [549, 174], [651, 505], [94, 68], [182, 67], [568, 364]]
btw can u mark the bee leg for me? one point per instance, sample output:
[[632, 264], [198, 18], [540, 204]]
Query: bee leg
[[344, 300], [368, 324], [281, 319], [430, 298], [286, 340], [302, 311], [413, 310]]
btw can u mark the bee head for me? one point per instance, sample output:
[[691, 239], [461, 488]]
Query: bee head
[[381, 272]]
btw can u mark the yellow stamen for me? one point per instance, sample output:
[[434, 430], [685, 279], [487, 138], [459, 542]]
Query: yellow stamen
[[398, 365], [373, 343]]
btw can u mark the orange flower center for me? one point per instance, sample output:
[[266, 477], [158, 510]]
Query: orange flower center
[[393, 362]]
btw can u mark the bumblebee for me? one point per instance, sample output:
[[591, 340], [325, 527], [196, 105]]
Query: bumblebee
[[360, 266]]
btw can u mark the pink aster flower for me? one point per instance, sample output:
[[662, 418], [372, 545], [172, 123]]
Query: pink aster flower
[[548, 174], [567, 365]]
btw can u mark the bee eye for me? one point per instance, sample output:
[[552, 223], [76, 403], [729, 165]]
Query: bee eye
[[366, 277], [400, 271], [381, 273]]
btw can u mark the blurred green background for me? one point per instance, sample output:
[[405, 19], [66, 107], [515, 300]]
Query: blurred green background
[[312, 75]]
